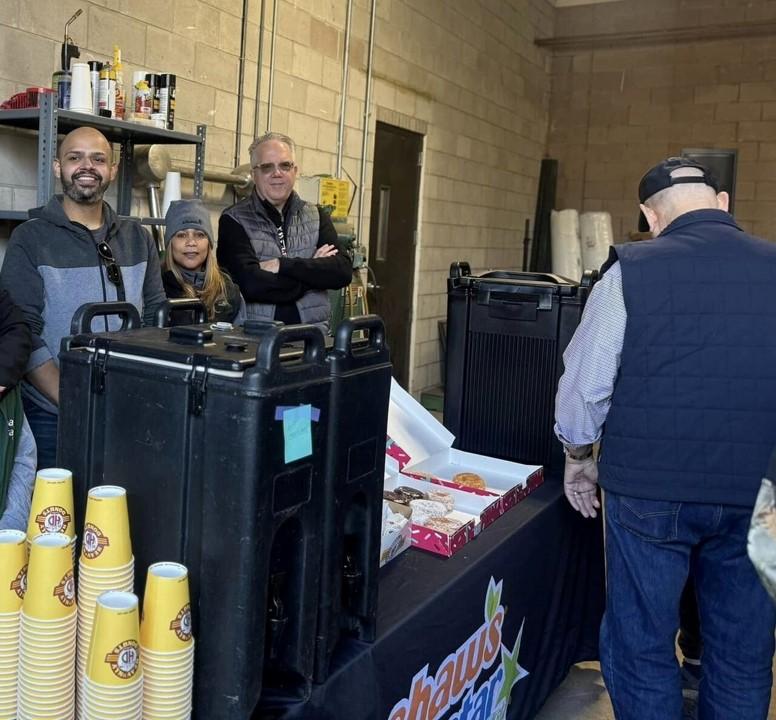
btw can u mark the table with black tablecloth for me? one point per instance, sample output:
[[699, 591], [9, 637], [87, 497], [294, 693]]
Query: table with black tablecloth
[[549, 561]]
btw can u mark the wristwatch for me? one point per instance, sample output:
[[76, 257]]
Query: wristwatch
[[578, 452]]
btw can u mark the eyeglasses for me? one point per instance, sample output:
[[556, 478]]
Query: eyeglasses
[[111, 267], [269, 168]]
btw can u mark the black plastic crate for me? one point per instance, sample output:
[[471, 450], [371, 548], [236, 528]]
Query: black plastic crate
[[360, 392], [190, 421], [506, 333]]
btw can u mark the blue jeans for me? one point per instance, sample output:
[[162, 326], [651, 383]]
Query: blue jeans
[[44, 429], [649, 544]]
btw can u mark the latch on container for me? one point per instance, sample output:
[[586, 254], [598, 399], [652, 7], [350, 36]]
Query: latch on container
[[100, 366], [198, 384]]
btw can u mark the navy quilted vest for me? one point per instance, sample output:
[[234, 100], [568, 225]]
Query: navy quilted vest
[[693, 415]]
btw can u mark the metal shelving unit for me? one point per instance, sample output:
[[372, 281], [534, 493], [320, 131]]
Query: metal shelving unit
[[48, 120]]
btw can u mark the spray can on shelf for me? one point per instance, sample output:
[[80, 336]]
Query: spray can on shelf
[[107, 98], [94, 75], [153, 84], [120, 98], [60, 83], [167, 99], [142, 97]]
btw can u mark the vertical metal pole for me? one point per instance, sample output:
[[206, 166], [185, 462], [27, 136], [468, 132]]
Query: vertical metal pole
[[199, 162], [155, 210], [367, 114], [259, 64], [241, 83], [272, 63], [47, 146], [343, 91], [125, 176]]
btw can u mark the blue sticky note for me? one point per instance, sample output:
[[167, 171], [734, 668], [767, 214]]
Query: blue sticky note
[[297, 432]]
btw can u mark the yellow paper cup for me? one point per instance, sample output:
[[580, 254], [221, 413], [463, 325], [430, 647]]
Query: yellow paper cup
[[50, 584], [52, 503], [32, 630], [114, 650], [106, 541], [13, 570], [34, 709], [166, 623], [110, 694]]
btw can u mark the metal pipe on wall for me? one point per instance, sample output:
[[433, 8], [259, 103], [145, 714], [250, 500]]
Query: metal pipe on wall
[[155, 210], [259, 63], [343, 91], [367, 113], [272, 63], [241, 83]]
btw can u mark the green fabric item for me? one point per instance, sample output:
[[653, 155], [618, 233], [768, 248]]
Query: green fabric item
[[11, 420]]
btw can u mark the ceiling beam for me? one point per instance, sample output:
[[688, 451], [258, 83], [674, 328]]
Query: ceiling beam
[[659, 37]]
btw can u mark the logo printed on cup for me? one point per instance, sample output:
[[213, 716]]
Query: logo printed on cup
[[182, 623], [19, 583], [94, 541], [53, 519], [65, 590], [124, 660]]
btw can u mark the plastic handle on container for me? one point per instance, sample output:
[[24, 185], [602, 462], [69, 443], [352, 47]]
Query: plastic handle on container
[[268, 352], [460, 269], [343, 339], [521, 275], [589, 278], [165, 310], [82, 318]]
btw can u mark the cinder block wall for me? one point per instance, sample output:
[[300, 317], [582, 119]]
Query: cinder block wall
[[466, 72], [617, 110]]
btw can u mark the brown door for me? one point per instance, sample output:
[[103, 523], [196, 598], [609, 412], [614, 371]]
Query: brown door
[[394, 216]]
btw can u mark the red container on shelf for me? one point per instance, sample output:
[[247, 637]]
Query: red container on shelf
[[30, 98], [34, 93]]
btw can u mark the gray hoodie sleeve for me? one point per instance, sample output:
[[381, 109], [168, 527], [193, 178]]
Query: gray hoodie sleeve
[[153, 290], [17, 507], [20, 277]]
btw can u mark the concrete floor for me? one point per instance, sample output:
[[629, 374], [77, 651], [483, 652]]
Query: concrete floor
[[582, 696]]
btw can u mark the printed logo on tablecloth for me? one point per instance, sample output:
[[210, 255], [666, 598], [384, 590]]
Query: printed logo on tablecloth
[[94, 541], [124, 660], [65, 589], [431, 697], [182, 623], [19, 583], [53, 519]]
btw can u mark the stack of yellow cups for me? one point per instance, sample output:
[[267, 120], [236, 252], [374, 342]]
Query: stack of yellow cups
[[13, 582], [52, 505], [113, 686], [47, 634], [166, 643], [106, 563]]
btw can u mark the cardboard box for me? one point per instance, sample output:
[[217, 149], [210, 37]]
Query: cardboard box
[[422, 447], [394, 543], [441, 543], [467, 510], [483, 508]]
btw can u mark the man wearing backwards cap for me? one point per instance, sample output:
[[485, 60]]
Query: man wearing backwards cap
[[676, 354]]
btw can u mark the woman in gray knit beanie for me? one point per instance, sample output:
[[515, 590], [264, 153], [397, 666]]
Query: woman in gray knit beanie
[[190, 266]]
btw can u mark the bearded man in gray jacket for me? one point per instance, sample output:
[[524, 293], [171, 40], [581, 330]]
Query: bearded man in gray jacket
[[72, 251]]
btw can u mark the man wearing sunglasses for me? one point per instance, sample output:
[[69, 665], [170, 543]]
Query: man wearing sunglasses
[[282, 251], [72, 251]]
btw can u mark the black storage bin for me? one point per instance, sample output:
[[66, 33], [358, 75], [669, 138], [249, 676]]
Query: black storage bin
[[360, 391], [189, 421], [506, 333]]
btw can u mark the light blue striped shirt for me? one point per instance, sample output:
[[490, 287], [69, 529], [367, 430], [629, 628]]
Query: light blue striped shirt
[[592, 361]]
